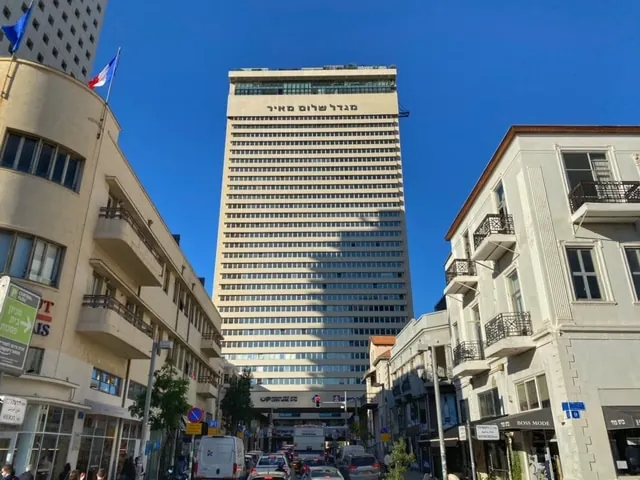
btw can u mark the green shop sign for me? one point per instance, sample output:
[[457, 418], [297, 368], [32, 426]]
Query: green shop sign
[[18, 310]]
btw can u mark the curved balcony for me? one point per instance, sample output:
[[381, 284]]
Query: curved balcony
[[494, 237], [210, 344], [461, 276], [605, 202], [113, 325], [468, 359], [118, 233], [207, 386], [508, 334]]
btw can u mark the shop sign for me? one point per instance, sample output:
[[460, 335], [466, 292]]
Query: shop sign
[[278, 399], [12, 410], [18, 310], [44, 318], [462, 433], [315, 108], [487, 432]]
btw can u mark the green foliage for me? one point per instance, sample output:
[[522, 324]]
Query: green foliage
[[169, 400], [516, 465], [236, 406], [400, 460]]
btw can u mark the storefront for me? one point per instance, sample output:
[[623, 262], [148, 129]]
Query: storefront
[[43, 441], [623, 429]]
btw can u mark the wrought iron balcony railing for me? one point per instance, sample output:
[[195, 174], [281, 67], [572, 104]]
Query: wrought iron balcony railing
[[104, 301], [123, 214], [467, 351], [604, 192], [493, 223], [505, 325], [458, 268]]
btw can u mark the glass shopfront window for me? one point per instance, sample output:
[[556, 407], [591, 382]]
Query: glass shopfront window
[[625, 447], [41, 442], [96, 444], [129, 441]]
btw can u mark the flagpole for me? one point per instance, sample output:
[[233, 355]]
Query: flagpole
[[106, 100]]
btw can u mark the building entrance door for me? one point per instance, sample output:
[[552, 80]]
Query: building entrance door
[[7, 447]]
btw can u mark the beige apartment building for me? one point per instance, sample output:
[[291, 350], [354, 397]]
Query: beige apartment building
[[543, 295], [77, 227], [312, 256]]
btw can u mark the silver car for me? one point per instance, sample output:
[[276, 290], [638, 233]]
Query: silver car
[[323, 473], [269, 463], [360, 467]]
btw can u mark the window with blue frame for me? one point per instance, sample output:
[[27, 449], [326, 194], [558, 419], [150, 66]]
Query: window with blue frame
[[106, 382]]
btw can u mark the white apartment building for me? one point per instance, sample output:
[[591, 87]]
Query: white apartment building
[[400, 395], [312, 254], [543, 293], [62, 34], [78, 228]]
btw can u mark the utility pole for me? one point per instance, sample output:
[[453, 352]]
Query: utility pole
[[436, 391]]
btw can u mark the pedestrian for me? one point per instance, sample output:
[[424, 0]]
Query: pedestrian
[[128, 471], [66, 471], [26, 475], [8, 472], [77, 475], [139, 468], [102, 474]]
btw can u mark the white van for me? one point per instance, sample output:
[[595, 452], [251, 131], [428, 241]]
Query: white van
[[220, 458]]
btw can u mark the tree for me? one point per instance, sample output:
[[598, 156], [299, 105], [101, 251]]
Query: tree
[[236, 406], [400, 460], [361, 429], [169, 403]]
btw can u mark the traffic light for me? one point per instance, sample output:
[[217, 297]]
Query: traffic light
[[317, 400]]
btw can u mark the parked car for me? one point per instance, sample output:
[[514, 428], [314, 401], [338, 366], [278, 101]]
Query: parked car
[[324, 473], [269, 463], [312, 462]]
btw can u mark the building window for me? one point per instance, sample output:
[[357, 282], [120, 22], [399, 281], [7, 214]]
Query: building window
[[633, 259], [99, 7], [586, 167], [76, 60], [72, 30], [55, 52], [45, 39], [95, 23], [29, 44], [30, 258], [81, 42], [33, 364], [515, 293], [41, 5], [60, 34], [105, 382], [136, 390], [42, 159], [36, 24], [490, 404], [64, 65], [130, 436], [533, 394], [6, 12], [40, 58], [583, 274], [84, 71], [50, 20], [56, 3], [65, 17], [68, 47]]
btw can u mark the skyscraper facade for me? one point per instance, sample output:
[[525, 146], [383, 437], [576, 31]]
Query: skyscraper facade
[[62, 34], [312, 252]]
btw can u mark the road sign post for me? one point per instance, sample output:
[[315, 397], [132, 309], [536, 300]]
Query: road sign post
[[18, 310]]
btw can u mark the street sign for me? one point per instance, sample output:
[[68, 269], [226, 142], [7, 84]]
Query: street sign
[[195, 415], [385, 437], [194, 429], [572, 409], [487, 432], [213, 423], [462, 433], [12, 410], [18, 310]]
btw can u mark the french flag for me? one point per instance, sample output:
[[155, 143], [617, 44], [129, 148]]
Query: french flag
[[106, 75]]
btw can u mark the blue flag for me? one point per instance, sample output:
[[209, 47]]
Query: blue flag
[[15, 33]]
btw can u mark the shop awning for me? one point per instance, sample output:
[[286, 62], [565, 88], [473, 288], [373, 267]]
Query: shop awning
[[621, 418], [540, 419]]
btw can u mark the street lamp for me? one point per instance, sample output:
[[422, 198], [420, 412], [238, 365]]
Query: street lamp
[[157, 346], [436, 391]]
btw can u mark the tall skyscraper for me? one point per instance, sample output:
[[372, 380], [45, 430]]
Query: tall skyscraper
[[312, 251], [62, 34]]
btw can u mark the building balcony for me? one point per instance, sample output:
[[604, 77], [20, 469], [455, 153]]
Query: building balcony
[[508, 334], [110, 323], [494, 237], [468, 359], [210, 345], [369, 401], [461, 276], [124, 240], [605, 202], [207, 386]]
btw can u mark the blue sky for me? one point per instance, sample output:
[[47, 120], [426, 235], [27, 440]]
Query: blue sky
[[467, 71]]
